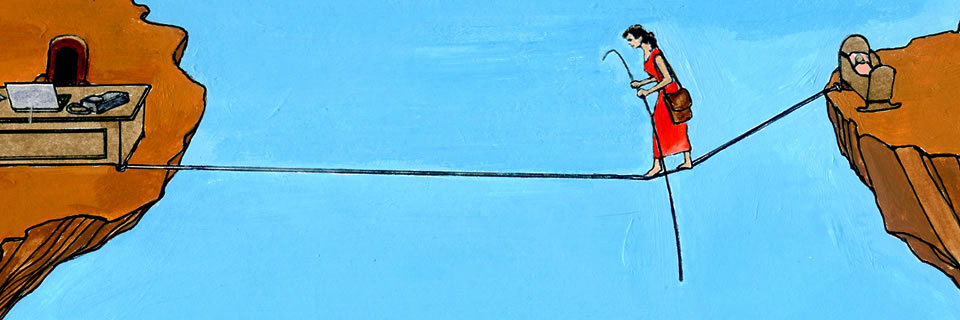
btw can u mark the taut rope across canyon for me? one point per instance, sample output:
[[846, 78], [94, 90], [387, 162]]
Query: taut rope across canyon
[[499, 174]]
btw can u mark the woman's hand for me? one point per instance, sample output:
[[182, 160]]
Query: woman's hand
[[642, 93], [636, 84]]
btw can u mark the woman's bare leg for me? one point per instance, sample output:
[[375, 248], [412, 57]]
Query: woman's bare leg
[[656, 168], [687, 162]]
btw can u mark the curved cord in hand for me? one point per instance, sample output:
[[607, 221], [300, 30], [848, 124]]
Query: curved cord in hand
[[666, 178], [625, 66]]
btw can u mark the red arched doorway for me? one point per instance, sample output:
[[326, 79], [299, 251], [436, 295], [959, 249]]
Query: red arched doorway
[[67, 61]]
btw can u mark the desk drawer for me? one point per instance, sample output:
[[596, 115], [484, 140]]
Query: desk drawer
[[54, 144]]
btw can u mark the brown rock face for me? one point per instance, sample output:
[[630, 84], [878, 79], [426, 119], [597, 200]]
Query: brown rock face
[[909, 156], [51, 214]]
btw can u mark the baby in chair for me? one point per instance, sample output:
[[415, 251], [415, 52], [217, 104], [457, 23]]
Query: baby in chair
[[860, 70]]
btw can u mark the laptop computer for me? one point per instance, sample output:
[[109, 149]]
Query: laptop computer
[[34, 97]]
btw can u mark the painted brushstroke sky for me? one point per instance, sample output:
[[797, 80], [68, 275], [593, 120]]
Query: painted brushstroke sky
[[775, 227]]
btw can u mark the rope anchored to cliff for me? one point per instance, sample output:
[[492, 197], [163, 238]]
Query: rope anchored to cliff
[[480, 174], [523, 175]]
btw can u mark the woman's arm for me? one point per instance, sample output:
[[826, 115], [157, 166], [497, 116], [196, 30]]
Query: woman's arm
[[667, 79], [637, 84]]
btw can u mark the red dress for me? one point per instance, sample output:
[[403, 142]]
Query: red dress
[[673, 136]]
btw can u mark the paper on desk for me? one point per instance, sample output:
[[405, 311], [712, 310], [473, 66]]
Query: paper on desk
[[37, 97]]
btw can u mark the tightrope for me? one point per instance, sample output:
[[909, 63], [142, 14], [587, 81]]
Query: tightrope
[[523, 175], [384, 172], [481, 174]]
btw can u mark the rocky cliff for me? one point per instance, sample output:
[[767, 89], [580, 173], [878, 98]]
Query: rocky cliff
[[53, 214], [908, 156]]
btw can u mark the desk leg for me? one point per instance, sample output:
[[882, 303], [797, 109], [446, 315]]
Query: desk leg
[[131, 133]]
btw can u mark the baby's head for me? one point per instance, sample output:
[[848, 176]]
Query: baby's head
[[856, 49], [861, 63]]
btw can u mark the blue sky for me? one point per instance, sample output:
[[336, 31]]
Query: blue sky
[[776, 227]]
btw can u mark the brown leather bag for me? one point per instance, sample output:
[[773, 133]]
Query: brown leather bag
[[679, 102]]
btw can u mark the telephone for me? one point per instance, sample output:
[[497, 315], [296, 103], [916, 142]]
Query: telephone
[[99, 103]]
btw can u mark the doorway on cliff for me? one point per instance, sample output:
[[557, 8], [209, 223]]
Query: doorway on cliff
[[67, 61]]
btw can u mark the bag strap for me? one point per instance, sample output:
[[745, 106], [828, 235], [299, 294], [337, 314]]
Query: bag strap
[[669, 70]]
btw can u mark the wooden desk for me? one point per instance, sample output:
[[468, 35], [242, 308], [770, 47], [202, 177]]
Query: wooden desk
[[61, 138]]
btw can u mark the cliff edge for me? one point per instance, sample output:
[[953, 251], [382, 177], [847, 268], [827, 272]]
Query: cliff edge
[[53, 214], [908, 156]]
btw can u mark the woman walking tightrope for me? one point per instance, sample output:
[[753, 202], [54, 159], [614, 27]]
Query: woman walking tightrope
[[673, 137]]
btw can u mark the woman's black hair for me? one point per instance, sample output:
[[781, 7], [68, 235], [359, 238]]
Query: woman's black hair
[[639, 32]]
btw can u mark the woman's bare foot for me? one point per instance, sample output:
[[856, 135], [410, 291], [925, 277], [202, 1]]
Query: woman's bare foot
[[687, 162], [653, 171]]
